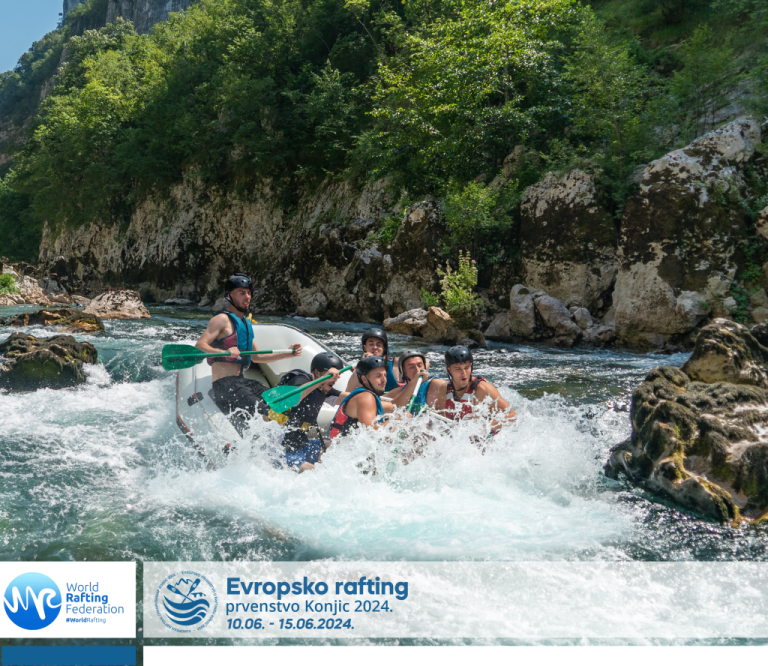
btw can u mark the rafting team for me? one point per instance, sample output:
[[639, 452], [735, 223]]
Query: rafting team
[[376, 375]]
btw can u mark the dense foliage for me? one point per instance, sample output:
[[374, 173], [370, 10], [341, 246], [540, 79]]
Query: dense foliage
[[432, 94]]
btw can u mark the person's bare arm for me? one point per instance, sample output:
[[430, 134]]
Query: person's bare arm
[[439, 397], [433, 393], [215, 328], [406, 392], [353, 382], [271, 358], [503, 413], [363, 408]]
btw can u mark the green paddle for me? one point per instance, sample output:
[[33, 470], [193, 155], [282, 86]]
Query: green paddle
[[179, 357], [281, 398]]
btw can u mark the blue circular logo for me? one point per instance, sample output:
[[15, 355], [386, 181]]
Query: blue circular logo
[[32, 601], [186, 601]]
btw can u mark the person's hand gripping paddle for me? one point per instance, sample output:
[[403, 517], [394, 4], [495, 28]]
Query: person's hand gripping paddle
[[179, 357], [282, 398]]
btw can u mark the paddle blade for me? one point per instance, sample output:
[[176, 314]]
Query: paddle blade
[[178, 357], [278, 401]]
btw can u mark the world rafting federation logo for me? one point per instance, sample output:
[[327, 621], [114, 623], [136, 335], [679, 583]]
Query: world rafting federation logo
[[32, 601], [186, 601]]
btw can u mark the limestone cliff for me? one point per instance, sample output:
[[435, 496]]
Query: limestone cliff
[[142, 13], [319, 258]]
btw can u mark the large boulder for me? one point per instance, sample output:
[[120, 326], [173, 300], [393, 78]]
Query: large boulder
[[522, 313], [558, 321], [28, 363], [441, 328], [67, 319], [412, 322], [123, 304], [568, 241], [680, 234], [700, 433], [498, 329], [728, 352]]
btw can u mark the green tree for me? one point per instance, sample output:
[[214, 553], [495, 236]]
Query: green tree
[[466, 88], [610, 93], [702, 86]]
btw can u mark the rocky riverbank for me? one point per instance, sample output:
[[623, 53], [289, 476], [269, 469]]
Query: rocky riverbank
[[682, 254]]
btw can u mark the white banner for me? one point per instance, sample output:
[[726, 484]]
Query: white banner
[[68, 599], [531, 600]]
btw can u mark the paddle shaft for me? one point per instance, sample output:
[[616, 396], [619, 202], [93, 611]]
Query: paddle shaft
[[415, 391], [250, 353], [304, 387]]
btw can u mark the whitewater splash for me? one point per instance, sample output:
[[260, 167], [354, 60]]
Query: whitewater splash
[[101, 472], [421, 491]]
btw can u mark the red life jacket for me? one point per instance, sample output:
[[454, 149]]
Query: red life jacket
[[465, 401], [342, 423]]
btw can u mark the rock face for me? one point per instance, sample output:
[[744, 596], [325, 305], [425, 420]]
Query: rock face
[[568, 241], [31, 363], [143, 13], [68, 319], [123, 304], [700, 433], [680, 234], [320, 259]]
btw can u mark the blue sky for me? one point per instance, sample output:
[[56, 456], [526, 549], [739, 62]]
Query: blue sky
[[23, 22]]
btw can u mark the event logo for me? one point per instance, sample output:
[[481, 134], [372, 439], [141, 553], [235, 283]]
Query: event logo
[[32, 601], [186, 601]]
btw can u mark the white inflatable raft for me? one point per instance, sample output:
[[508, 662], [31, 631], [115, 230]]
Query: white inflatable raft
[[203, 422]]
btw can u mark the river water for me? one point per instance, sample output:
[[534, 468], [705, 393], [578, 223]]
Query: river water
[[101, 471]]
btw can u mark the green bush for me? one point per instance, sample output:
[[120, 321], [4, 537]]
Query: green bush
[[457, 292], [7, 284], [430, 299], [476, 216]]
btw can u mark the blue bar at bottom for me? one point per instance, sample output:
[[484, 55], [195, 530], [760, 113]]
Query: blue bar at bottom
[[68, 655]]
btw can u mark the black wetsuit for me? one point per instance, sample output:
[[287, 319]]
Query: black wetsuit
[[305, 413]]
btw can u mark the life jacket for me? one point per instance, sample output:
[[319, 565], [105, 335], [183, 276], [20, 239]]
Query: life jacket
[[392, 382], [342, 423], [421, 398], [242, 338], [465, 401]]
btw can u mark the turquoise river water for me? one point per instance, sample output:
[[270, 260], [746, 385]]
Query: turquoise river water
[[101, 471]]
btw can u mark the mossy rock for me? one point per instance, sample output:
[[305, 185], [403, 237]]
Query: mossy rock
[[31, 363], [71, 320]]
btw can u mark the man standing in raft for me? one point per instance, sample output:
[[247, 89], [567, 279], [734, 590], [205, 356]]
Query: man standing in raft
[[231, 331], [457, 397], [375, 343], [363, 405]]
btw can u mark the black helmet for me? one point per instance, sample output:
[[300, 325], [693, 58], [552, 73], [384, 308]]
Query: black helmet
[[369, 363], [325, 361], [236, 281], [411, 353], [458, 354], [377, 333]]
